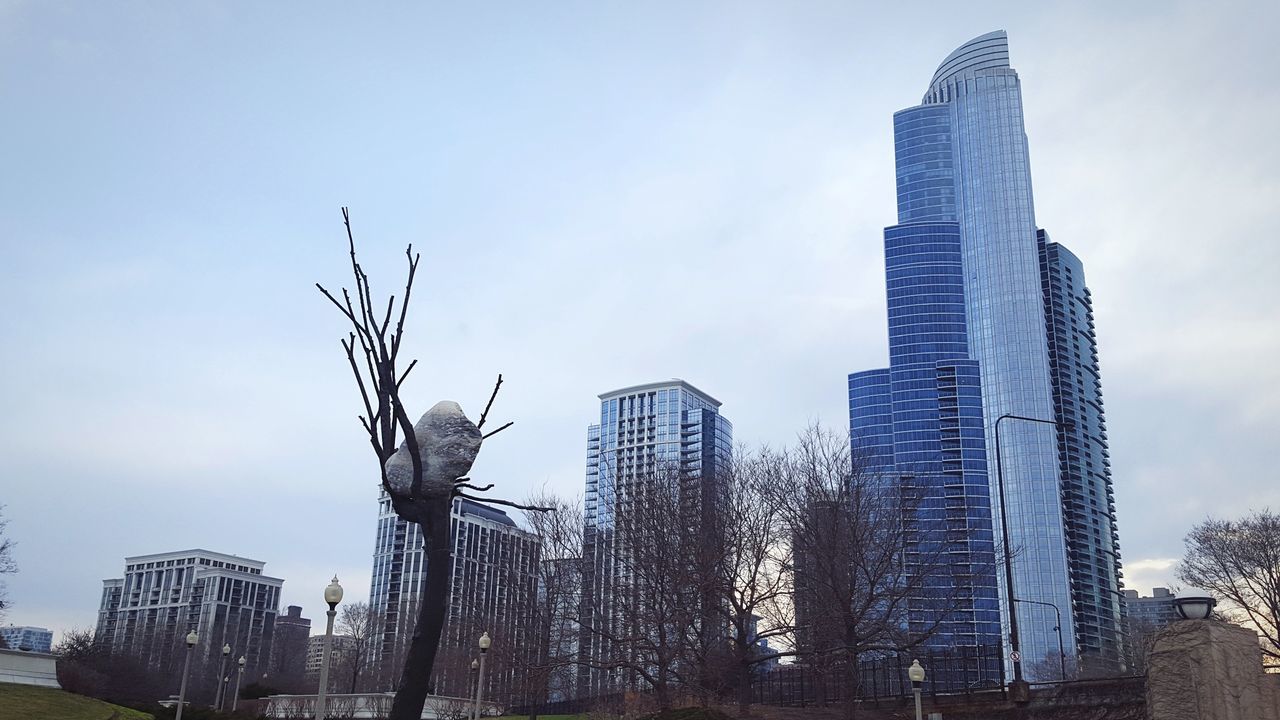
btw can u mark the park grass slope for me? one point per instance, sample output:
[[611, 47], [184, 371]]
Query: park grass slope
[[28, 702]]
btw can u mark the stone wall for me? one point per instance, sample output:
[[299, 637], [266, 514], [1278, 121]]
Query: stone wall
[[28, 668], [1208, 670]]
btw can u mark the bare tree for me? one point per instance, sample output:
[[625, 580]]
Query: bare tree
[[547, 666], [423, 494], [1239, 562], [856, 571], [360, 622], [751, 562], [644, 609], [7, 565]]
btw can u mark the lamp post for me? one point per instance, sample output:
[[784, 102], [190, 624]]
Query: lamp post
[[239, 676], [475, 665], [333, 596], [1062, 655], [916, 673], [192, 639], [484, 649], [222, 683], [1019, 688]]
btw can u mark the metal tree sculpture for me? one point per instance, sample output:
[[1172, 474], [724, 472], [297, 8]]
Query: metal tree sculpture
[[424, 473]]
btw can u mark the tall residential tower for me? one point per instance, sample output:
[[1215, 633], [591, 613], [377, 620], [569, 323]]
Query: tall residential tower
[[646, 432], [972, 351]]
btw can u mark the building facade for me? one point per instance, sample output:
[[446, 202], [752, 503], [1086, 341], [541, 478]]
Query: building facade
[[32, 639], [340, 647], [1088, 495], [289, 652], [492, 585], [665, 429], [226, 599], [974, 290], [1153, 612]]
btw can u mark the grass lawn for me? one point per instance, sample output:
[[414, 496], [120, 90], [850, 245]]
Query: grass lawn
[[24, 702]]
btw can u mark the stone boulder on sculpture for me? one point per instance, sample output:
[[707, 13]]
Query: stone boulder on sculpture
[[448, 443]]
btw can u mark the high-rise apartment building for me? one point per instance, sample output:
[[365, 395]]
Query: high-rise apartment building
[[645, 431], [1153, 612], [1088, 497], [990, 324], [492, 584], [226, 599]]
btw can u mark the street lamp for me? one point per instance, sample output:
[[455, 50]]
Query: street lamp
[[1062, 655], [475, 665], [222, 682], [916, 673], [1019, 688], [1195, 607], [239, 676], [484, 649], [192, 639], [333, 596]]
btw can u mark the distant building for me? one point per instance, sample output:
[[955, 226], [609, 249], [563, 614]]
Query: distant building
[[21, 637], [226, 599], [1155, 611], [493, 581], [289, 647], [342, 644]]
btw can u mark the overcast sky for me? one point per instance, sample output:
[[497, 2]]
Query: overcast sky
[[603, 194]]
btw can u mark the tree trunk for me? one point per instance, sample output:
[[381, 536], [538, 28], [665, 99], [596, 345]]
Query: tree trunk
[[744, 681], [415, 681]]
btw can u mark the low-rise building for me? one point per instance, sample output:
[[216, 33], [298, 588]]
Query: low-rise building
[[25, 637]]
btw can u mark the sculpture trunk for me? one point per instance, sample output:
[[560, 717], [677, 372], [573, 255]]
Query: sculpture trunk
[[415, 681]]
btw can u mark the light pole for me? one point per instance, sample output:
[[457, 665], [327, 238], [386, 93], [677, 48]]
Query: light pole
[[484, 649], [1019, 688], [475, 665], [1062, 656], [916, 673], [239, 676], [192, 639], [333, 596], [222, 684]]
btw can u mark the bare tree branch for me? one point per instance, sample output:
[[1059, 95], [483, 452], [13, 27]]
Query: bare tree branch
[[495, 432], [484, 415], [506, 503]]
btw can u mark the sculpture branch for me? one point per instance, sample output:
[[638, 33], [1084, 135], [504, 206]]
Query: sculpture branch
[[488, 435], [507, 503], [489, 404], [472, 487]]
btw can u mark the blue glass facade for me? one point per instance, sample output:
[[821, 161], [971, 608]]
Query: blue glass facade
[[969, 343], [643, 431], [921, 420], [1088, 498]]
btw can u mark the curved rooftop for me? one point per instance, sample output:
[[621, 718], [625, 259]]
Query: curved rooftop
[[983, 52]]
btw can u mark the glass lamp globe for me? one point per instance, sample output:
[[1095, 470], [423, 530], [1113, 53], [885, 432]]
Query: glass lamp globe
[[192, 638], [333, 593], [1195, 607], [916, 672], [226, 649], [485, 642]]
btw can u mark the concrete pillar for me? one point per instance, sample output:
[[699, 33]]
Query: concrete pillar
[[1208, 670]]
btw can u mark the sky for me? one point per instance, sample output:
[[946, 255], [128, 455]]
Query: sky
[[603, 194]]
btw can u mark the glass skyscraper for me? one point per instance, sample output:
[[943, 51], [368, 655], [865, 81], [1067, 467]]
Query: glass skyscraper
[[968, 279], [644, 432]]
